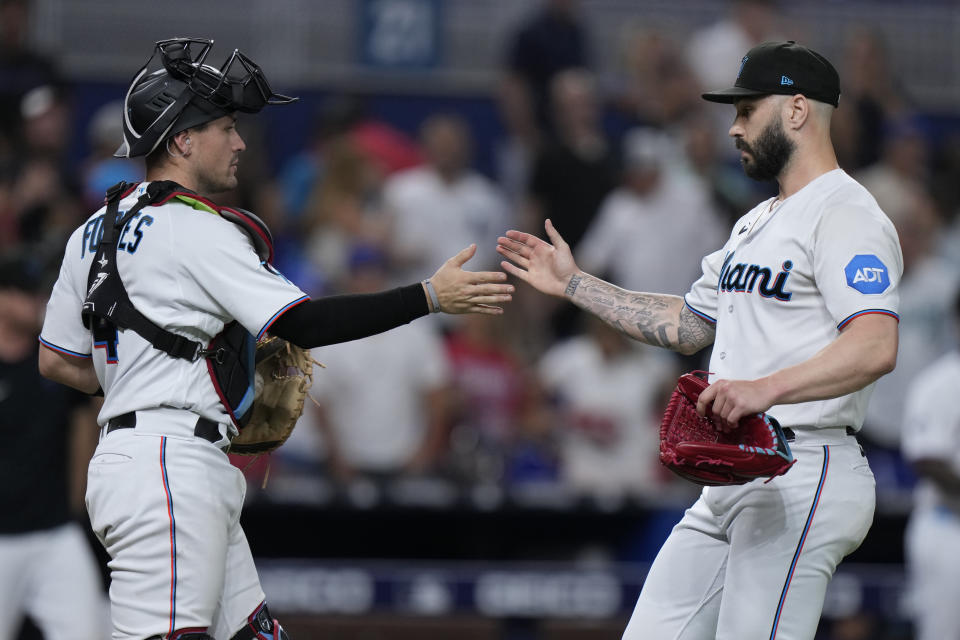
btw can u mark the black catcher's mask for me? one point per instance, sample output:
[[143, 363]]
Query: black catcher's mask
[[185, 92]]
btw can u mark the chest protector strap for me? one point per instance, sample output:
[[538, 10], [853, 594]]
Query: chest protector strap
[[230, 356]]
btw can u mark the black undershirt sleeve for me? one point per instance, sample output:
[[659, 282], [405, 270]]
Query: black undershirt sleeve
[[348, 317]]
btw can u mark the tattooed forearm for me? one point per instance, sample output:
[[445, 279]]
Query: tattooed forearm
[[649, 317], [694, 333], [658, 339]]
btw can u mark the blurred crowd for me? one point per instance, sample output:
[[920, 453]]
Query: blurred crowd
[[638, 175]]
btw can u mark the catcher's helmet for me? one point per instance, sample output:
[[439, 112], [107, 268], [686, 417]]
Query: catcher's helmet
[[185, 92]]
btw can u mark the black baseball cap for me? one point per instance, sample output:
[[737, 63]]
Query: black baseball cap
[[785, 68]]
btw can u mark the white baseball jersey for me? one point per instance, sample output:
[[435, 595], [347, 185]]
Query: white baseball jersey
[[164, 502], [645, 243], [379, 419], [931, 430], [790, 277], [931, 426], [759, 556], [610, 436], [433, 220], [214, 277]]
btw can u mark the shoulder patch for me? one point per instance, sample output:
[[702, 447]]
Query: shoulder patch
[[867, 274]]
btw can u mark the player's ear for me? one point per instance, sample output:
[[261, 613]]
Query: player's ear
[[796, 110], [181, 143]]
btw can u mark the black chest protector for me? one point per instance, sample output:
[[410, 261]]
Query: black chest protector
[[230, 355]]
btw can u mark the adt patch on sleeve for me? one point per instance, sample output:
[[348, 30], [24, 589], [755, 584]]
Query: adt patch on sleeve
[[867, 274]]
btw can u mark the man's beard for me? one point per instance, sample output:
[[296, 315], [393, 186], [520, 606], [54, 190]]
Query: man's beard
[[769, 153]]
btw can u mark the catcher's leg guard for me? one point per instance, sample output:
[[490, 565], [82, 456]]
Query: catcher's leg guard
[[260, 626], [185, 634]]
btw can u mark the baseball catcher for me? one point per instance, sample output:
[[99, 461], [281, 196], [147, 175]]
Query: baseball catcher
[[704, 450], [162, 303]]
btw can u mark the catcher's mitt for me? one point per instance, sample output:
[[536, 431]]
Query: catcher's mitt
[[697, 448], [284, 374]]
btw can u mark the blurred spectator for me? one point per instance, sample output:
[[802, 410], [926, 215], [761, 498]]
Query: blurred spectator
[[578, 167], [44, 205], [945, 171], [873, 98], [47, 568], [100, 170], [731, 191], [496, 434], [659, 86], [572, 174], [946, 190], [550, 41], [42, 208], [46, 122], [715, 49], [516, 149], [300, 174], [339, 116], [897, 183], [925, 329], [609, 395], [390, 148], [344, 209], [21, 69], [653, 230], [904, 163], [931, 442], [382, 399], [437, 209]]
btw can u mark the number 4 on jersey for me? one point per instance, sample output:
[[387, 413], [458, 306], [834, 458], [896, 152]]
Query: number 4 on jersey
[[105, 337]]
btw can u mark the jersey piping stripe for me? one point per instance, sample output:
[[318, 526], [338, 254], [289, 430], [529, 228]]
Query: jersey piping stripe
[[50, 345], [273, 319], [699, 314], [173, 535], [865, 312], [803, 538]]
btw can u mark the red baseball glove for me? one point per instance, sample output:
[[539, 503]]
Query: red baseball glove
[[705, 451]]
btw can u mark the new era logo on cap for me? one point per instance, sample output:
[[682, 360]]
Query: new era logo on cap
[[785, 68]]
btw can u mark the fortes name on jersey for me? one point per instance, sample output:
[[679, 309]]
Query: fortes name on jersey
[[93, 232], [744, 278]]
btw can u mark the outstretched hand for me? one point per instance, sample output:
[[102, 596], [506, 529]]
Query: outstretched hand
[[544, 266], [462, 291]]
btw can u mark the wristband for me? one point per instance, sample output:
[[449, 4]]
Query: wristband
[[434, 300]]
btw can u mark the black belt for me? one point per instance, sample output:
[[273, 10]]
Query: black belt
[[206, 429], [791, 436]]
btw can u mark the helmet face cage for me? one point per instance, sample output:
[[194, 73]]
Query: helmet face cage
[[245, 89], [238, 85]]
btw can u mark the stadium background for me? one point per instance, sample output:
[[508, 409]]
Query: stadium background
[[423, 556]]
